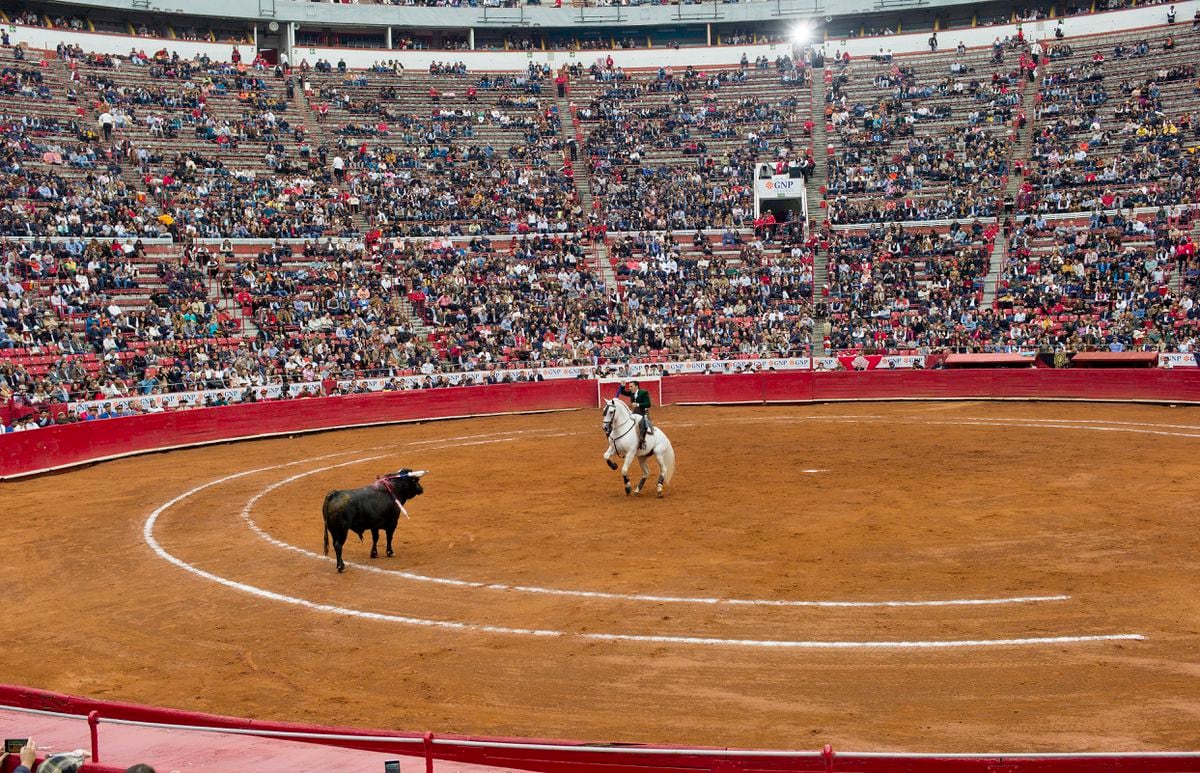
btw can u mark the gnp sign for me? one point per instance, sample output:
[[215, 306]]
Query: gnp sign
[[780, 187]]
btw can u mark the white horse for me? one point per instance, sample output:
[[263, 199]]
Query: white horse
[[620, 425]]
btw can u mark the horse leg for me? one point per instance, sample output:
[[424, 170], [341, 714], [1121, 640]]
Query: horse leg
[[629, 457], [645, 474], [390, 532], [374, 543], [666, 467], [608, 454]]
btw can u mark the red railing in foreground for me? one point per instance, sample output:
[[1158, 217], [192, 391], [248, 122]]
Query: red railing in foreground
[[571, 755]]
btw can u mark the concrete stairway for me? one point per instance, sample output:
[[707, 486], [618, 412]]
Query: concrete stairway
[[416, 324], [816, 214], [248, 328], [322, 133], [583, 177], [1022, 141], [605, 269], [992, 281]]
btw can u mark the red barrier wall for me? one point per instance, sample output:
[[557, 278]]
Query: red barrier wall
[[1151, 385], [66, 445], [71, 444]]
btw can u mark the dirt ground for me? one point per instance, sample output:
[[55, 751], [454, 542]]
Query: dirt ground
[[913, 502]]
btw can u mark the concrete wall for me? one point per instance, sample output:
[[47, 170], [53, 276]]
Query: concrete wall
[[1075, 26], [105, 43], [479, 61]]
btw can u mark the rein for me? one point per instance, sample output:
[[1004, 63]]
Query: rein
[[632, 426], [385, 484]]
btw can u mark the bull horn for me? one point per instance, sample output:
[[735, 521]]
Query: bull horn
[[417, 473]]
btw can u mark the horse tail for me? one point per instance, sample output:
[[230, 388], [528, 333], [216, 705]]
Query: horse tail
[[668, 463]]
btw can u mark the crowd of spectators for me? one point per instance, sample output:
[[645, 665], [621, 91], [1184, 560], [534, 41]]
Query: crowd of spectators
[[922, 138], [467, 247], [474, 155], [322, 311], [678, 149], [714, 301], [897, 288], [1106, 283], [1113, 126]]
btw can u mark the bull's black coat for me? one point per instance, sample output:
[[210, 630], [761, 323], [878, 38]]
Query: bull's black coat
[[370, 508]]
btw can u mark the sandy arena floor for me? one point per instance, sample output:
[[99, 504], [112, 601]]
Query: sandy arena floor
[[1074, 521]]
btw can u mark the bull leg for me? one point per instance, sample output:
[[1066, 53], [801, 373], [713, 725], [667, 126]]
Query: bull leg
[[337, 551], [374, 543], [645, 474], [390, 532]]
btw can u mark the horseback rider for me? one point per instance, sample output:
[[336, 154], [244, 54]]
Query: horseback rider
[[640, 406]]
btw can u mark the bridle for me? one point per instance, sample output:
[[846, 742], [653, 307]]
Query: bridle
[[608, 425]]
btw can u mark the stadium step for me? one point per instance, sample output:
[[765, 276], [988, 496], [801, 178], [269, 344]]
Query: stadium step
[[581, 174], [604, 267], [1023, 139], [820, 331], [996, 265], [415, 323], [816, 212], [820, 144]]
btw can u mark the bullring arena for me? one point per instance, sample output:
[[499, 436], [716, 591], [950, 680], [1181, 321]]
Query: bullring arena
[[1016, 575], [911, 286]]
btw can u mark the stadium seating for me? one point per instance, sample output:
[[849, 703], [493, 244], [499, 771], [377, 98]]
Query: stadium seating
[[1107, 283], [893, 288], [1113, 120], [921, 137], [494, 220], [676, 150]]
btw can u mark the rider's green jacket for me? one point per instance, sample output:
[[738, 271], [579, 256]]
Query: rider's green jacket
[[640, 397]]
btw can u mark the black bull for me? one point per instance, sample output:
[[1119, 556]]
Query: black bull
[[370, 508]]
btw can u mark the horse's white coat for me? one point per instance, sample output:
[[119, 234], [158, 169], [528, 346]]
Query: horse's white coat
[[620, 427]]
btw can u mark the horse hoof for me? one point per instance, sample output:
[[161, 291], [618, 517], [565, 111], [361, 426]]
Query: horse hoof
[[390, 554], [661, 493], [374, 554], [611, 464], [627, 491]]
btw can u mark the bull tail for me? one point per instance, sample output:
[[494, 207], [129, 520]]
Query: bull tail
[[325, 518]]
